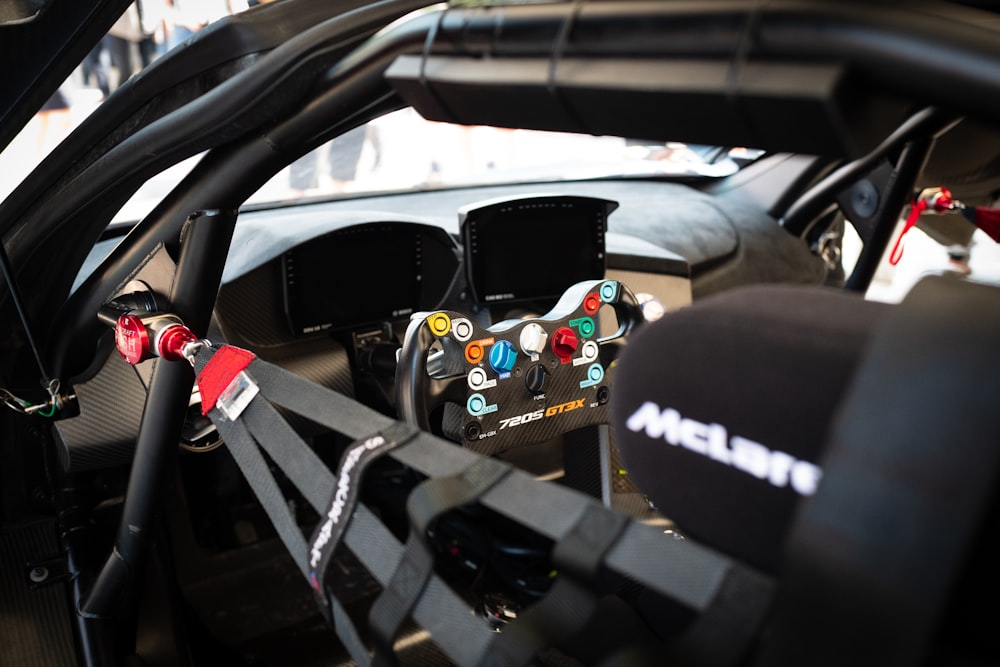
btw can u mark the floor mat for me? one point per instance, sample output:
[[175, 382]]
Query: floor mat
[[35, 627]]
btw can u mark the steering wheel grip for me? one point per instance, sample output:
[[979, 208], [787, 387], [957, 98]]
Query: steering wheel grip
[[519, 381]]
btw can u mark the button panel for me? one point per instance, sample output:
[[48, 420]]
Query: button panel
[[531, 380]]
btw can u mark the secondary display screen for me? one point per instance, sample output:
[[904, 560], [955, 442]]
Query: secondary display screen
[[533, 248], [365, 274]]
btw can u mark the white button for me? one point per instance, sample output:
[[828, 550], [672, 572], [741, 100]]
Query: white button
[[477, 378], [462, 329]]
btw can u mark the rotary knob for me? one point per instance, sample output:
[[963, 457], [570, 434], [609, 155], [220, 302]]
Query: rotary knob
[[533, 339], [536, 378], [503, 356], [564, 343]]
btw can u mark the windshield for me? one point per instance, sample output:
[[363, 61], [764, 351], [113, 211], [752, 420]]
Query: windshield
[[400, 151]]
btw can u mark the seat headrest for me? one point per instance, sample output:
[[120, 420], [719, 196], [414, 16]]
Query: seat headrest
[[720, 409]]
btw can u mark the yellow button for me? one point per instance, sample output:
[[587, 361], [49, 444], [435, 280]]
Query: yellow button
[[439, 323]]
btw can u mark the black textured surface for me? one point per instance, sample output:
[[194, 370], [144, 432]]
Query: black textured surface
[[35, 627], [103, 434], [250, 309], [766, 364], [250, 315]]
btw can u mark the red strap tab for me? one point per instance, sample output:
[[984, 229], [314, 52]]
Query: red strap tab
[[225, 364], [918, 207], [988, 220]]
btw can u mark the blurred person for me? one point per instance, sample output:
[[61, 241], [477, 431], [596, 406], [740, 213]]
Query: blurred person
[[186, 17], [54, 121], [151, 15], [123, 38], [343, 155], [95, 67]]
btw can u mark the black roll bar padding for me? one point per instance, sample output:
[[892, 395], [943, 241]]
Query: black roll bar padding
[[206, 237], [249, 164], [246, 163], [40, 72], [756, 74], [803, 213], [898, 193], [219, 51], [913, 142], [81, 206]]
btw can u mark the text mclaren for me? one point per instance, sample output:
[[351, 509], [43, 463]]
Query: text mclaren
[[713, 441]]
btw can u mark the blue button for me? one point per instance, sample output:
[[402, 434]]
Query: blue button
[[503, 356]]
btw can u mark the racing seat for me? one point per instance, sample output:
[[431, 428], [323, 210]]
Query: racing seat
[[827, 441]]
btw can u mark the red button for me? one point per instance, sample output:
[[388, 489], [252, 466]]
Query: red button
[[564, 343], [132, 339]]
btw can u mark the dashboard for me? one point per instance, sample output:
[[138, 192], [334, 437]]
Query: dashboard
[[303, 286], [334, 294]]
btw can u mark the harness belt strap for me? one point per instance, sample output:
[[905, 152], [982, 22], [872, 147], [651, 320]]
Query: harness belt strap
[[251, 462], [326, 407], [428, 501], [737, 612], [439, 610], [688, 573], [348, 634], [343, 499]]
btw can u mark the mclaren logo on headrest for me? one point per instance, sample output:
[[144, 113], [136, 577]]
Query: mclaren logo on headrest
[[713, 441]]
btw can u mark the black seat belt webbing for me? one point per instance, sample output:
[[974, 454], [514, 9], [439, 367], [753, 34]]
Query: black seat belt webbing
[[440, 610], [289, 451], [326, 407], [427, 502], [342, 499], [348, 634], [254, 467], [435, 458]]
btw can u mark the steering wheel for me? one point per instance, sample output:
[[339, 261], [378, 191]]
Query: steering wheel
[[520, 381]]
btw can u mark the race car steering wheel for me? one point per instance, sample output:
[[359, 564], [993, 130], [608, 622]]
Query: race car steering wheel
[[520, 381]]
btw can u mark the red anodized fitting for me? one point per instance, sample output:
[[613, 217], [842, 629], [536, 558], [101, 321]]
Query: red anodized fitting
[[141, 337]]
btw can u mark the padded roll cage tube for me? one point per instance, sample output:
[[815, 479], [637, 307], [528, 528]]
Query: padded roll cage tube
[[84, 206], [899, 191], [913, 142], [734, 73], [206, 237], [817, 201], [216, 53], [229, 174]]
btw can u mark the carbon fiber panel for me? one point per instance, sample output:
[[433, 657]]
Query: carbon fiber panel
[[250, 309], [250, 315], [103, 434]]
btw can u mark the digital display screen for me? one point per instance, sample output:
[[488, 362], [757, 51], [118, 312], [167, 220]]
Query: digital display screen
[[534, 248], [365, 274]]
